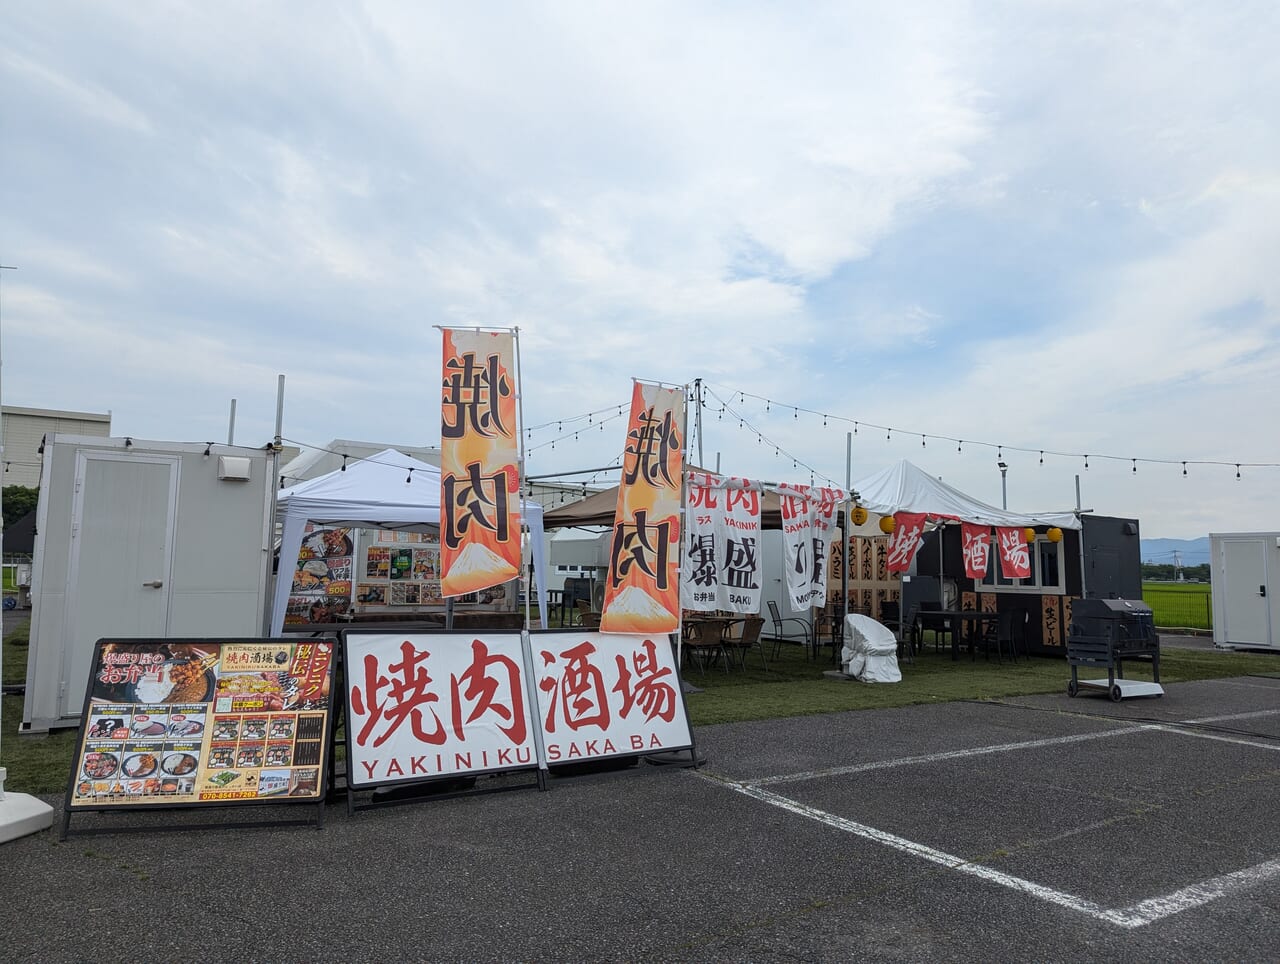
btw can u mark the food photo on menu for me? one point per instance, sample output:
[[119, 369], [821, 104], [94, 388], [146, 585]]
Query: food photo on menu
[[174, 722]]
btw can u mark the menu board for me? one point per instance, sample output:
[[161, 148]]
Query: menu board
[[203, 721], [322, 576]]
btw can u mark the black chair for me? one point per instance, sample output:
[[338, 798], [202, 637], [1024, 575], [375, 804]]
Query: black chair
[[999, 633], [940, 625], [780, 632]]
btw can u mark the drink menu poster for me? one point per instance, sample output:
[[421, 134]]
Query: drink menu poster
[[196, 721]]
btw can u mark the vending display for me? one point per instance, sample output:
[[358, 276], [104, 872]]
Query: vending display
[[203, 721]]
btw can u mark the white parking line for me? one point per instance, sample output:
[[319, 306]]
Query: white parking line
[[1127, 729], [1136, 915], [946, 755]]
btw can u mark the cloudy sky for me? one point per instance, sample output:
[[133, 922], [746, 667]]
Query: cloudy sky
[[1046, 225]]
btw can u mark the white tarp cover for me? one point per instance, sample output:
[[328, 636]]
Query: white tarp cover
[[870, 650], [377, 493], [907, 488]]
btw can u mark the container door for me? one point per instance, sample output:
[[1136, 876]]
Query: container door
[[1244, 570], [121, 547]]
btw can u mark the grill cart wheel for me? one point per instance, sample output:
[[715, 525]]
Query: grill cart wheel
[[1072, 688], [1115, 694]]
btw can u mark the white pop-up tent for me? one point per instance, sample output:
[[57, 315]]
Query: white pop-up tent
[[907, 488], [389, 490]]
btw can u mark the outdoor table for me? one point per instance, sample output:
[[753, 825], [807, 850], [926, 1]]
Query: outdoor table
[[555, 600], [961, 617]]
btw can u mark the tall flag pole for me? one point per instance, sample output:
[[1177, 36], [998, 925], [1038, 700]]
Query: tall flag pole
[[480, 543], [642, 591]]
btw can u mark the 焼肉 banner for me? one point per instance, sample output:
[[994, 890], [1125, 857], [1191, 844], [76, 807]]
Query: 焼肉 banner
[[186, 721], [427, 705], [479, 450], [642, 588]]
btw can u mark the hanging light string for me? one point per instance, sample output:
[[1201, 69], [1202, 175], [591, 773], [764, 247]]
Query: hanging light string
[[347, 459], [614, 414], [761, 438], [563, 495], [590, 418], [1000, 447]]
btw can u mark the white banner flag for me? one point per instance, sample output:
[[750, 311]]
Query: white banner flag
[[808, 518], [722, 568]]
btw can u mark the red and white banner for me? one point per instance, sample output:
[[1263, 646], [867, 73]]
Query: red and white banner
[[808, 518], [422, 706], [1015, 558], [479, 454], [602, 695], [642, 590], [908, 534], [722, 569], [976, 540]]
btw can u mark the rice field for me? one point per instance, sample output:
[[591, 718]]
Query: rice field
[[1179, 605]]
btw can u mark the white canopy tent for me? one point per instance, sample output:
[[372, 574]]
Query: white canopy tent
[[907, 488], [389, 490]]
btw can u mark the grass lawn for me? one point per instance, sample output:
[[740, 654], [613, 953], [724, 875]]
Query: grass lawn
[[793, 686]]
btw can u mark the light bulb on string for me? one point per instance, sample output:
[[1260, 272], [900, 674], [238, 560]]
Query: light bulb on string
[[344, 463], [1237, 470], [1135, 466], [408, 478], [922, 445], [999, 452], [795, 413], [959, 443], [767, 403], [1086, 462], [1184, 468], [1042, 456], [888, 435]]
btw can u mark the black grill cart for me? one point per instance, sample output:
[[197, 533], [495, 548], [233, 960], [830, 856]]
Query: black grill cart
[[1106, 633]]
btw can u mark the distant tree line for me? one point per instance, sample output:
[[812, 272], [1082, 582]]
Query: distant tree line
[[1164, 572], [18, 501]]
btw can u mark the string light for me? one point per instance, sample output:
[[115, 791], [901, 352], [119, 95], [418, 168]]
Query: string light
[[344, 463], [828, 418], [1135, 466], [1237, 471]]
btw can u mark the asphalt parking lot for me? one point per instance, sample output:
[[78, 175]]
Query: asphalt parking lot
[[1042, 828]]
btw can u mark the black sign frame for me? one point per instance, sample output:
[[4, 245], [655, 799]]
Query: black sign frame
[[324, 765]]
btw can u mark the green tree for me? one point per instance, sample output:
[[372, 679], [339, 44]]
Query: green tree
[[18, 501]]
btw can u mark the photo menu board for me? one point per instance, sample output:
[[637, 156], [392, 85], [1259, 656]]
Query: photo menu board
[[322, 577], [169, 722]]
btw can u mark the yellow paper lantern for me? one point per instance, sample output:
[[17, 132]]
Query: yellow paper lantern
[[859, 516], [886, 524], [1055, 534], [1030, 534]]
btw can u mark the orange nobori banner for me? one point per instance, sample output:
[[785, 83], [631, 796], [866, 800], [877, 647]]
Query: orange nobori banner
[[642, 590], [479, 452]]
